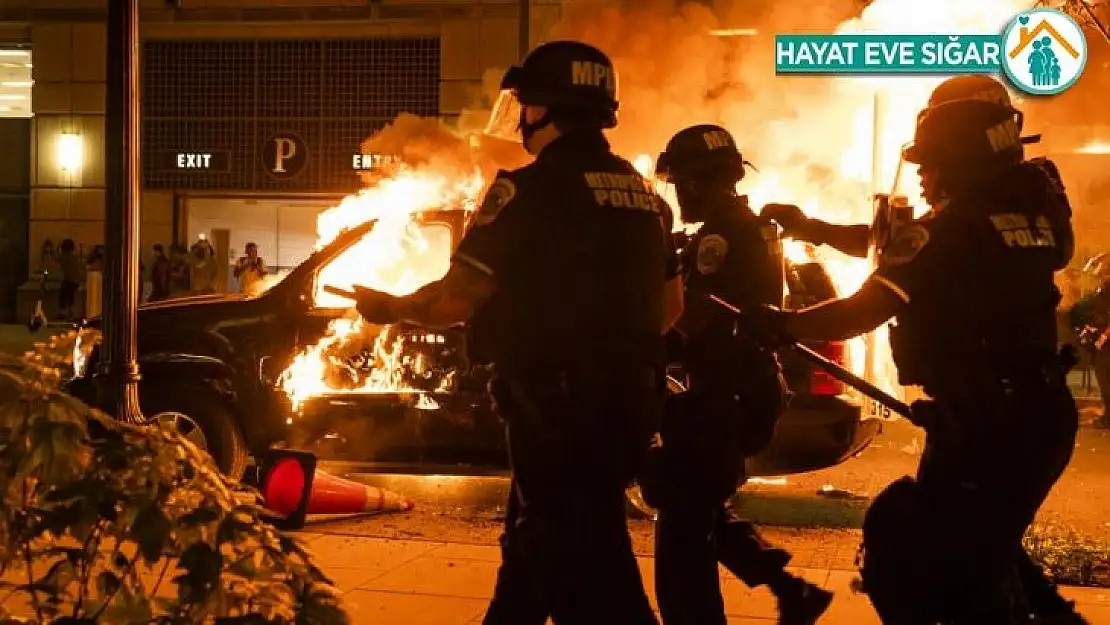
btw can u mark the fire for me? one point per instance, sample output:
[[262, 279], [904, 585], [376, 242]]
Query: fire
[[1095, 147], [398, 256], [829, 160], [847, 273], [881, 113]]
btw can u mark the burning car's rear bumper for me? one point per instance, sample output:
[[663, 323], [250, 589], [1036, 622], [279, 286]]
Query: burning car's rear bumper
[[815, 433]]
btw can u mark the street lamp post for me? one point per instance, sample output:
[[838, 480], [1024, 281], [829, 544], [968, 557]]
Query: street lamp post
[[119, 370]]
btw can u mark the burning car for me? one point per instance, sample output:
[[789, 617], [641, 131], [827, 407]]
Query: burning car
[[288, 366]]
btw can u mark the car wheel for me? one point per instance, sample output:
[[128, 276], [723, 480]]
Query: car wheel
[[204, 420]]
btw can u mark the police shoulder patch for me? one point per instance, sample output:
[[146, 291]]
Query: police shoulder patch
[[711, 253], [905, 245], [500, 193]]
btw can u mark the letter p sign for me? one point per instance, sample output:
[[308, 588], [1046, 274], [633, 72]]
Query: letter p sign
[[284, 155], [284, 149]]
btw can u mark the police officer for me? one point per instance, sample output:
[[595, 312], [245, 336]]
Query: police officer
[[570, 259], [973, 292], [736, 394], [854, 239]]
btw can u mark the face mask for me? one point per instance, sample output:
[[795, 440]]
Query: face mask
[[508, 122], [691, 203], [930, 190]]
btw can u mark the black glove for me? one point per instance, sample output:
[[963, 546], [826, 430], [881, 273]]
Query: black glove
[[793, 221], [375, 306], [767, 325]]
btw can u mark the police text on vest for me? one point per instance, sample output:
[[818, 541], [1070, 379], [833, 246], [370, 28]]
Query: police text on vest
[[623, 191]]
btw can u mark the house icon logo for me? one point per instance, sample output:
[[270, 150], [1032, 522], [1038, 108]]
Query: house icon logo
[[1045, 51]]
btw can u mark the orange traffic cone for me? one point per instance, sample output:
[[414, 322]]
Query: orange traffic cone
[[285, 485]]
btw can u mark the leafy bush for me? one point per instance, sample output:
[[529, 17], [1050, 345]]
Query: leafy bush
[[111, 523], [1068, 557]]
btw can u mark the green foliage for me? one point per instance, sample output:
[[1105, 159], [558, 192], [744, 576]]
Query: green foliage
[[103, 522], [1068, 557]]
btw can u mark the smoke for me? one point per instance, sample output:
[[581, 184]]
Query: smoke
[[674, 72], [812, 137], [428, 143]]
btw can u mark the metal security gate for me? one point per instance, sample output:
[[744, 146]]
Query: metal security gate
[[229, 98]]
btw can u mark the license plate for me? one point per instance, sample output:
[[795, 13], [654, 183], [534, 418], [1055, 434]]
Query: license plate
[[875, 410]]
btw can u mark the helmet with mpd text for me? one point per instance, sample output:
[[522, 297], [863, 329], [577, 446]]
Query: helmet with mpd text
[[970, 87], [566, 75], [703, 149], [965, 139], [974, 87]]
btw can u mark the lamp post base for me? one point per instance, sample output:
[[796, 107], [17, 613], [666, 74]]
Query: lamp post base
[[118, 394]]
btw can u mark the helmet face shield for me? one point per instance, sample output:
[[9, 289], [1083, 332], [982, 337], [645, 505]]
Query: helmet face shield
[[505, 118], [663, 167]]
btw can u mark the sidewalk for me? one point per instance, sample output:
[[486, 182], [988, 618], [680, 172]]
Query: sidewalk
[[408, 582], [17, 339]]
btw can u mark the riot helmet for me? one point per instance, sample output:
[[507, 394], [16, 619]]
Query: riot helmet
[[974, 87], [970, 87], [574, 81], [704, 165], [962, 142]]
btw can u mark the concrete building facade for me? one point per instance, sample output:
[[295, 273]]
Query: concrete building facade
[[252, 112]]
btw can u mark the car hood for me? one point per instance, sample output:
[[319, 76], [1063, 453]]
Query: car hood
[[196, 312], [192, 300]]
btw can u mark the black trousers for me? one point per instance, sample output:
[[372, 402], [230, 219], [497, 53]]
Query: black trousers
[[986, 485], [575, 446], [691, 477]]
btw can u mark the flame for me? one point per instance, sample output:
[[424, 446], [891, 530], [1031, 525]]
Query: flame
[[404, 251], [1095, 147], [829, 161], [881, 113]]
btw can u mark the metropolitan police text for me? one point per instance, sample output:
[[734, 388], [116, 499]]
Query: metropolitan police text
[[893, 53], [623, 191]]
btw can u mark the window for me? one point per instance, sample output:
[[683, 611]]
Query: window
[[15, 81], [396, 258], [232, 97]]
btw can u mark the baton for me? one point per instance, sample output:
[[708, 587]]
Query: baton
[[345, 294], [835, 370], [351, 295]]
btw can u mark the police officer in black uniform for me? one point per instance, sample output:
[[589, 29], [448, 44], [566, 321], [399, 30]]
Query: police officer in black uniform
[[736, 394], [1043, 597], [856, 239], [570, 258], [973, 292]]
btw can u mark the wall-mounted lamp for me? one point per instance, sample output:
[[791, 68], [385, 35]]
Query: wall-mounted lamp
[[71, 152]]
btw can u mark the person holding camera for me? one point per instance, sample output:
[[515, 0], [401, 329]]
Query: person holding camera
[[250, 268]]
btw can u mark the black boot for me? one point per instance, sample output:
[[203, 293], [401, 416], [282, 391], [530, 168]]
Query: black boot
[[799, 602], [1043, 597]]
